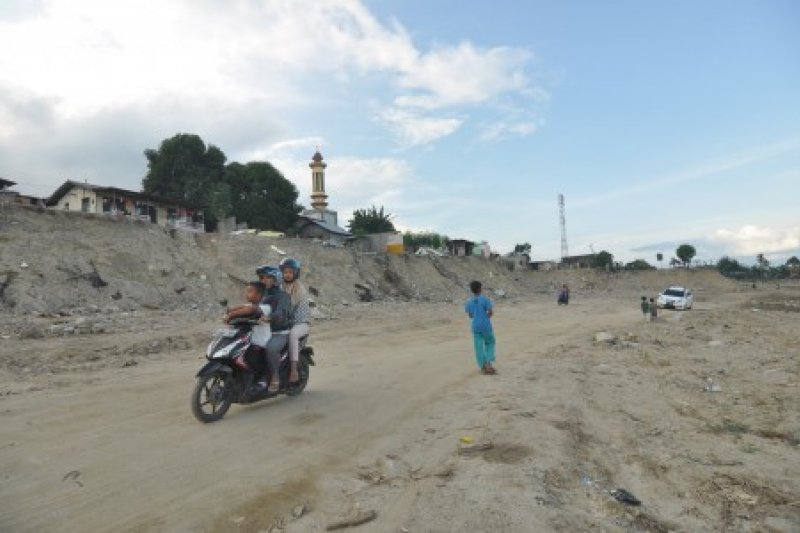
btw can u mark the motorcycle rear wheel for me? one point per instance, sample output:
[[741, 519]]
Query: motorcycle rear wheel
[[303, 370], [211, 397]]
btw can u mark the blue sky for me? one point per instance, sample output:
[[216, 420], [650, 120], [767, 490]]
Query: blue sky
[[660, 122]]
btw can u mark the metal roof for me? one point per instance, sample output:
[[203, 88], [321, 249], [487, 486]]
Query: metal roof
[[331, 228]]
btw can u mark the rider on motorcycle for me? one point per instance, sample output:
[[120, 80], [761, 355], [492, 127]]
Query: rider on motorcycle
[[290, 269], [279, 321]]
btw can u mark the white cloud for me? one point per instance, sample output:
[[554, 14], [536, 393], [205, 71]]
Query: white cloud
[[89, 57], [501, 130], [463, 74], [752, 240], [414, 130]]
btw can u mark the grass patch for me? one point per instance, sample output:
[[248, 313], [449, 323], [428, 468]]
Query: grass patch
[[729, 426], [750, 448]]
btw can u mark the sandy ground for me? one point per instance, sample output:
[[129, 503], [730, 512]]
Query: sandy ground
[[87, 447]]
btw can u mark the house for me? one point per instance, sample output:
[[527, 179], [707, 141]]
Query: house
[[8, 196], [578, 261], [482, 249], [389, 242], [460, 247], [543, 266], [313, 228], [113, 201]]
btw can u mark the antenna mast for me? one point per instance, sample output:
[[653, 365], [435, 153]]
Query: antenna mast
[[563, 222]]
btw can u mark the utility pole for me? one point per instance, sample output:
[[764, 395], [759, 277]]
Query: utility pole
[[563, 223]]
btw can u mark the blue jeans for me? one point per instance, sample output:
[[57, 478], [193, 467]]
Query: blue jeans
[[484, 348]]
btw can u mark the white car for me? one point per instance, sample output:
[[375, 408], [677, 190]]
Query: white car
[[676, 297]]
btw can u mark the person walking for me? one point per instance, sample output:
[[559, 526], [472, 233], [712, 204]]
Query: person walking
[[480, 309]]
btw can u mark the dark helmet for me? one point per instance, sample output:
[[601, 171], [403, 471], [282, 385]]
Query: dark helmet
[[290, 262], [271, 271]]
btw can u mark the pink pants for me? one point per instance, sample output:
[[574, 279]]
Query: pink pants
[[297, 331]]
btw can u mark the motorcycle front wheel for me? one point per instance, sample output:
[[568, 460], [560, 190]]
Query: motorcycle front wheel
[[211, 397]]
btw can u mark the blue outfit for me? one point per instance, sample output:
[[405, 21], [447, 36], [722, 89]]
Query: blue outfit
[[478, 307]]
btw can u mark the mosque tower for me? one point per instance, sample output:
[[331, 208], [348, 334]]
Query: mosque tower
[[319, 198]]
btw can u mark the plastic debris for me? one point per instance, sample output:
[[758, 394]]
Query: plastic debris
[[710, 386], [622, 495]]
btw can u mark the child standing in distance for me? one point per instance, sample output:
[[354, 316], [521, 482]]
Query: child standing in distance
[[645, 309], [480, 310], [653, 309]]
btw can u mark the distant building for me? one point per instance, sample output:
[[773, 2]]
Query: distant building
[[389, 242], [113, 201], [460, 247], [543, 265], [8, 196], [578, 261], [319, 222]]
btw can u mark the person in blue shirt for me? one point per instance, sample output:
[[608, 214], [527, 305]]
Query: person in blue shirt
[[480, 310]]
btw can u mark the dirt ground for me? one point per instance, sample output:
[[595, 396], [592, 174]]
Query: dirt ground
[[97, 434]]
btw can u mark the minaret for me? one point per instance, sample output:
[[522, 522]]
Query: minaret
[[319, 200]]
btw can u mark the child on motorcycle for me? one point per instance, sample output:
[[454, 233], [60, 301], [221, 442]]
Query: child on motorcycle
[[253, 294]]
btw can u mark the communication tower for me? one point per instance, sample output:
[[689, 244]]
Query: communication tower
[[563, 222]]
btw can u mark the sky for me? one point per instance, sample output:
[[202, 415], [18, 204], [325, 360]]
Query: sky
[[660, 122]]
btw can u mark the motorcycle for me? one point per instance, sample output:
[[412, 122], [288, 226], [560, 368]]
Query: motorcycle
[[227, 378]]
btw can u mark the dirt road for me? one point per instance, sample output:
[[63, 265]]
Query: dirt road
[[378, 429]]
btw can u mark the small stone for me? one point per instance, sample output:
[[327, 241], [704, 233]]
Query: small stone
[[299, 511], [31, 332], [604, 336]]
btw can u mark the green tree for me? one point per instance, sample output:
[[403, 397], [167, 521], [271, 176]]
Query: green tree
[[426, 238], [524, 248], [372, 220], [184, 168], [793, 262], [685, 253], [218, 204], [730, 267], [261, 196], [639, 264], [762, 261], [603, 259]]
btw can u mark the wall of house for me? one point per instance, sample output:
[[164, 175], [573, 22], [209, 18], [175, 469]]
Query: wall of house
[[74, 198]]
